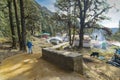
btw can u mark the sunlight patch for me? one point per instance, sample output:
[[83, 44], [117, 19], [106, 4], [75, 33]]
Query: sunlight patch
[[30, 60]]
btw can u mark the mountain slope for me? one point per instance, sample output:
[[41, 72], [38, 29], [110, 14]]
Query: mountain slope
[[114, 30], [37, 17]]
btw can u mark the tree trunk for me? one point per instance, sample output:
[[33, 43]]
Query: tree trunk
[[11, 24], [73, 37], [82, 21], [33, 29], [69, 28], [23, 25], [18, 24], [81, 36], [69, 24], [74, 27]]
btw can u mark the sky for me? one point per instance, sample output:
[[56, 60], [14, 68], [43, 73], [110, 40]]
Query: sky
[[113, 13]]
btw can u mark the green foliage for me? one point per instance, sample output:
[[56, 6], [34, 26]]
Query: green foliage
[[37, 18], [89, 13], [4, 23], [32, 14], [116, 36]]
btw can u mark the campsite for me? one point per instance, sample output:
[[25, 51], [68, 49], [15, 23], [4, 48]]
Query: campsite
[[67, 41]]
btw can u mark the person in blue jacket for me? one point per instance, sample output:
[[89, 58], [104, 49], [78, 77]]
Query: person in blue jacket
[[29, 45]]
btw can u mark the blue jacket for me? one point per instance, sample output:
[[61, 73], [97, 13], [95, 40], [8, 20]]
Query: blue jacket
[[29, 44]]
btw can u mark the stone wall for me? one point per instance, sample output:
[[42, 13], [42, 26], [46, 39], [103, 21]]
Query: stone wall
[[67, 60]]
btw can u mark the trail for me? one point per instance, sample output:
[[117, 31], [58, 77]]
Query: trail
[[25, 66]]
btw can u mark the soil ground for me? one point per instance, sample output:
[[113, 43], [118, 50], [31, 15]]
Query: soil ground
[[22, 66]]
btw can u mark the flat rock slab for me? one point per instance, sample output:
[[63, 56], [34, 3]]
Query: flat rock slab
[[67, 60]]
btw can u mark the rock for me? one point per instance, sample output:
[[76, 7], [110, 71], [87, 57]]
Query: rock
[[66, 60]]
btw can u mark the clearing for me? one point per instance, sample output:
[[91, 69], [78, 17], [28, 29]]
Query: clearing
[[25, 66]]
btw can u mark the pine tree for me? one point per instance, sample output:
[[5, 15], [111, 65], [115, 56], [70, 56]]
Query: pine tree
[[11, 23], [17, 23], [23, 33]]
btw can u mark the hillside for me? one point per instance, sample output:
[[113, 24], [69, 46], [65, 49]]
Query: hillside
[[114, 30], [37, 18]]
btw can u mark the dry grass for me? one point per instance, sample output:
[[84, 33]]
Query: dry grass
[[32, 67], [2, 40]]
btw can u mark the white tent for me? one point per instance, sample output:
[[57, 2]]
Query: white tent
[[98, 35], [98, 39]]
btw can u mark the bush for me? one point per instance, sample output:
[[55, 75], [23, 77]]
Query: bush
[[116, 36]]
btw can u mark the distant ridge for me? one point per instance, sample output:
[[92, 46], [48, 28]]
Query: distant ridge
[[114, 30], [43, 9]]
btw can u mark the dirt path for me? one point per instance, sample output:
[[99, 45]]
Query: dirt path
[[25, 66], [32, 67]]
